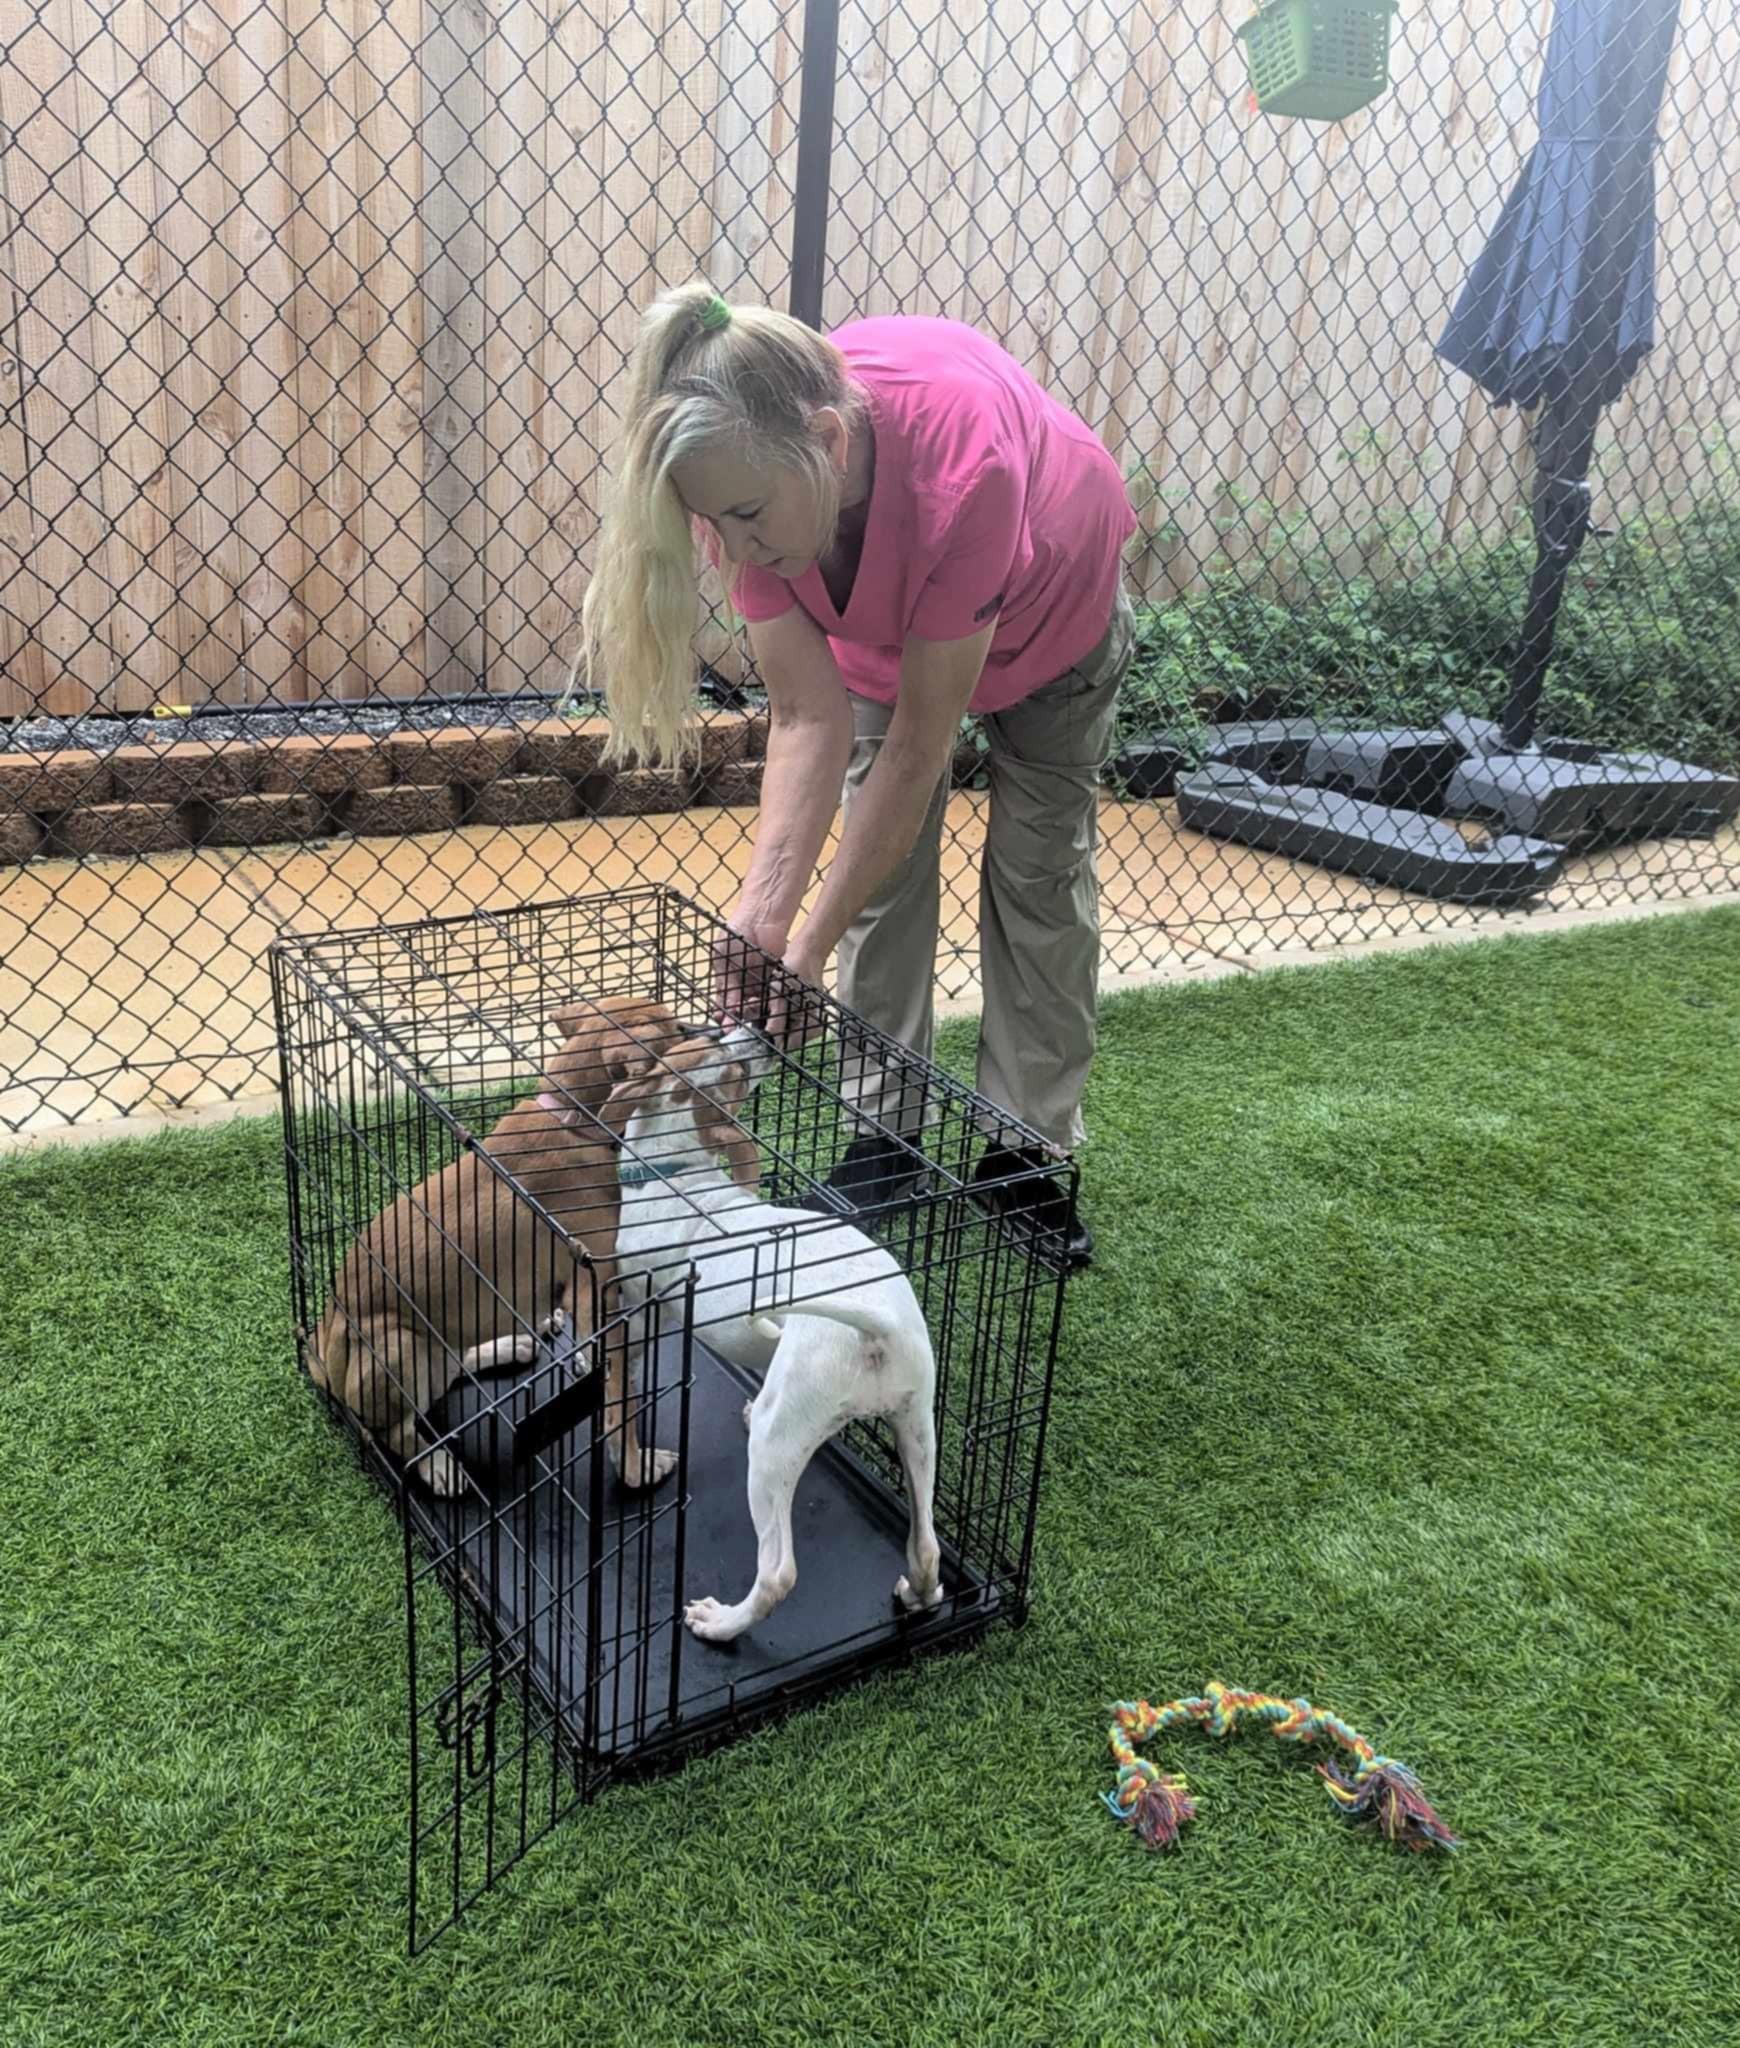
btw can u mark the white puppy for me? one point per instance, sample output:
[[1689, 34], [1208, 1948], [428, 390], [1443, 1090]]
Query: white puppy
[[824, 1312]]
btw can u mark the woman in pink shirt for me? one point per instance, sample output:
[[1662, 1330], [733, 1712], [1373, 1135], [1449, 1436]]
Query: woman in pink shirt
[[914, 531]]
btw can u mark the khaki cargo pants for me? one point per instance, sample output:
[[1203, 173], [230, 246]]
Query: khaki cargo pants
[[1039, 927]]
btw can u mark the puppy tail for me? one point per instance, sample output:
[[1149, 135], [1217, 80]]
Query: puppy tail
[[329, 1354], [877, 1324]]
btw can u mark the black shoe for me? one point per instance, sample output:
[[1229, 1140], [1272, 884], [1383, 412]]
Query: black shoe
[[875, 1171], [1037, 1200]]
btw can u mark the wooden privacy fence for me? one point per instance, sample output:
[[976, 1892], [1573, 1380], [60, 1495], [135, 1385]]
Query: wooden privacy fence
[[313, 313]]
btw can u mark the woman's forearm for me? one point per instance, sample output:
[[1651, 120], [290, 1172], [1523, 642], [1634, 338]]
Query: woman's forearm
[[800, 792], [937, 681], [881, 829]]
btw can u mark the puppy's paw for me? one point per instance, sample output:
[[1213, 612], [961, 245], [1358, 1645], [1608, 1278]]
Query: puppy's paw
[[441, 1474], [915, 1602], [712, 1621], [649, 1469]]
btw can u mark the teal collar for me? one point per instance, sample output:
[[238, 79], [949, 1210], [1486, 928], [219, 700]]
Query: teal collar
[[637, 1173]]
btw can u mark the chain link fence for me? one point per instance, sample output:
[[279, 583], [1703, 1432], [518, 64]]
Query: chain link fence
[[313, 326]]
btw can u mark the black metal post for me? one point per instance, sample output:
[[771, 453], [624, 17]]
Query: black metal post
[[809, 234], [1561, 522], [1564, 442]]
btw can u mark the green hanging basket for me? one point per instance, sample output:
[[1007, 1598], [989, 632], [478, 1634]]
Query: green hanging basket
[[1319, 59]]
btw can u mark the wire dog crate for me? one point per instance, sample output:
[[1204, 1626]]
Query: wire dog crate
[[460, 1303]]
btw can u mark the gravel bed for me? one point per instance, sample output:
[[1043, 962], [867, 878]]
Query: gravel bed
[[324, 721]]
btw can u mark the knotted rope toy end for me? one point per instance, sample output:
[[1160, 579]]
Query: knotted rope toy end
[[1388, 1797], [1157, 1808], [1377, 1791]]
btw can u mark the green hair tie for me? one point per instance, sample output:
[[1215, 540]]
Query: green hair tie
[[714, 315]]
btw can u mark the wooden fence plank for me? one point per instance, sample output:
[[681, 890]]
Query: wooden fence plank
[[455, 124], [45, 171], [25, 674]]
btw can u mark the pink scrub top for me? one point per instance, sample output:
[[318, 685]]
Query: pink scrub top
[[990, 501]]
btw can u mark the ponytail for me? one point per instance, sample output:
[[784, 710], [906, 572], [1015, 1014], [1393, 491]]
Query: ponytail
[[702, 374]]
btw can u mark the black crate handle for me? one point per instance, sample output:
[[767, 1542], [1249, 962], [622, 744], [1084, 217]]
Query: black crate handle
[[540, 1426]]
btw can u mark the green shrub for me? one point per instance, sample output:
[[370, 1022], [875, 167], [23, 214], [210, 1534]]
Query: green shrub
[[1647, 655]]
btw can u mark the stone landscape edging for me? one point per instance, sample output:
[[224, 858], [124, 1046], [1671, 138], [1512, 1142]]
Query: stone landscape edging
[[85, 803]]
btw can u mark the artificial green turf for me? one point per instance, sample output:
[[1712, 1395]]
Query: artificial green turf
[[1407, 1379]]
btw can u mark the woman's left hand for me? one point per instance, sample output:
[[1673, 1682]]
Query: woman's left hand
[[803, 959], [795, 1019]]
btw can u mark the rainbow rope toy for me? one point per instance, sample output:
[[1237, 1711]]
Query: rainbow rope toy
[[1157, 1803]]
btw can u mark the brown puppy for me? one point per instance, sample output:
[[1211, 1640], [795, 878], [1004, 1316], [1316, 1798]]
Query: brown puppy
[[459, 1272]]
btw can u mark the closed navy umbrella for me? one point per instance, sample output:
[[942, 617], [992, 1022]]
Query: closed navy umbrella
[[1559, 308]]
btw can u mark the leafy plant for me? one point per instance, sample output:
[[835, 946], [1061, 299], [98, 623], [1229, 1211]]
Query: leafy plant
[[1647, 654]]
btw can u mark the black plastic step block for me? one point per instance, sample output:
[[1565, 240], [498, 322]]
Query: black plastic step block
[[1565, 789], [1405, 849]]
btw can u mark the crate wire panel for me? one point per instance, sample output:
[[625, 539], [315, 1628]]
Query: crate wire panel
[[546, 1648], [528, 1606]]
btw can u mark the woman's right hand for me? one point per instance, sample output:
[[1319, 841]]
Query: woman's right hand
[[741, 994], [809, 744], [777, 995]]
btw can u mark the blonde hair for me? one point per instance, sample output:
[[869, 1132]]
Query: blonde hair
[[701, 375]]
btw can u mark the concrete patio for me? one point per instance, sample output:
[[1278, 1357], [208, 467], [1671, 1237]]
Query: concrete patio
[[138, 989]]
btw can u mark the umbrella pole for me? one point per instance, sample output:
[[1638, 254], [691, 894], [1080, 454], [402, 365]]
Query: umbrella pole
[[1564, 443]]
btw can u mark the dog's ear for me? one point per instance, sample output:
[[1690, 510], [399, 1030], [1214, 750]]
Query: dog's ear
[[636, 1017], [742, 1155], [721, 1136], [629, 1092], [599, 1051], [573, 1019]]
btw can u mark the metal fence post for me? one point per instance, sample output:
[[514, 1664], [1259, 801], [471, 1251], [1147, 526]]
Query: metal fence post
[[809, 234]]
